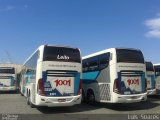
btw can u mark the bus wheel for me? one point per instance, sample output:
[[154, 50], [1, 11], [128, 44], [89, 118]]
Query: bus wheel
[[83, 97], [28, 99], [32, 105], [21, 94], [90, 97]]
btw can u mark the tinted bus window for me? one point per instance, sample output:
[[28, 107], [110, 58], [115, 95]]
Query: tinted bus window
[[61, 54], [149, 66], [85, 65], [157, 70], [93, 63], [104, 60], [129, 56], [7, 70]]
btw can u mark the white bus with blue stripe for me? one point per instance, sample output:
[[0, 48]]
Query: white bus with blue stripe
[[8, 79], [150, 78], [157, 75], [116, 75], [52, 77]]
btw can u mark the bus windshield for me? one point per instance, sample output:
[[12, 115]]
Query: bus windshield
[[129, 56], [149, 66], [7, 70], [61, 54]]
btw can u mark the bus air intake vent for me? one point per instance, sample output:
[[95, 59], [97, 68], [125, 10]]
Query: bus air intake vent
[[105, 92]]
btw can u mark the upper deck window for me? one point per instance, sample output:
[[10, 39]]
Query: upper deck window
[[149, 66], [129, 56], [61, 54]]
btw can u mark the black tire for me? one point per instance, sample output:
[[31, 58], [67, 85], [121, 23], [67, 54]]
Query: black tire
[[21, 94], [16, 91], [32, 105], [28, 99], [90, 97], [83, 97]]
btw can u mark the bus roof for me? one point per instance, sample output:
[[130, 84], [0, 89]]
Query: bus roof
[[157, 64], [42, 46], [107, 50], [148, 62]]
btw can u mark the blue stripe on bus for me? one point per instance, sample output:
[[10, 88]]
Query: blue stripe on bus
[[143, 82], [76, 83], [89, 81], [92, 76]]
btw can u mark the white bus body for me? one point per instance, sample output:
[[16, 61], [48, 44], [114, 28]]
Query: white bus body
[[8, 79], [115, 75], [157, 75], [52, 77], [150, 78]]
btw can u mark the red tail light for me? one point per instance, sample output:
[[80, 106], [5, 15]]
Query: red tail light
[[80, 88], [116, 87], [40, 87]]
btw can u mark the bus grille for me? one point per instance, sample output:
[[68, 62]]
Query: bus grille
[[105, 92]]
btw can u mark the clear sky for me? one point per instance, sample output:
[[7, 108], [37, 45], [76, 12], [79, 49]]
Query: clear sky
[[91, 25]]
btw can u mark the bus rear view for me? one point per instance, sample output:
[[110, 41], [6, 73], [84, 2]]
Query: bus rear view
[[57, 77], [130, 84], [7, 79], [150, 78], [115, 75]]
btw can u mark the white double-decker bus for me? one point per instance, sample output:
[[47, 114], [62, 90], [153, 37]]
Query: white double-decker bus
[[150, 78], [8, 79], [116, 75], [157, 77], [51, 76]]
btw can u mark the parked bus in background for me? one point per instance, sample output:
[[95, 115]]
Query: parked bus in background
[[150, 78], [8, 79], [51, 76], [157, 75], [115, 75]]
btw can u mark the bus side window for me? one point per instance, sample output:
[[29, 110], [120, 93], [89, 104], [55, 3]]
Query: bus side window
[[104, 60], [85, 65], [93, 64]]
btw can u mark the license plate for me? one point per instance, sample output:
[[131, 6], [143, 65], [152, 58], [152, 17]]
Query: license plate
[[61, 100], [134, 97]]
